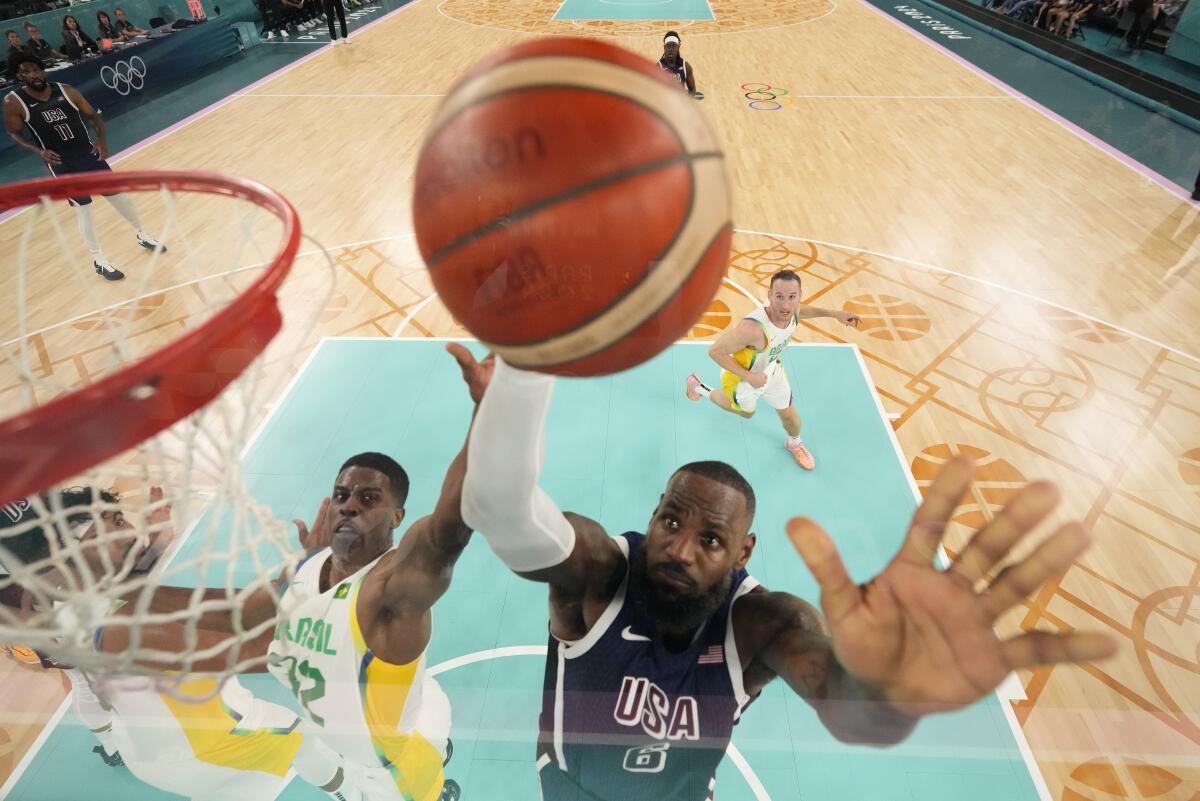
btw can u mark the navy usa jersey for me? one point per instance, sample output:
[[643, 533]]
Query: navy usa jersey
[[55, 122], [625, 719]]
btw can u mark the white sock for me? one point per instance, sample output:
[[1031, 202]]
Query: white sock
[[322, 768], [125, 207], [92, 711], [87, 227], [703, 389], [796, 440]]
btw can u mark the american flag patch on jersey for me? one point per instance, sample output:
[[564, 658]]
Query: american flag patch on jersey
[[714, 655]]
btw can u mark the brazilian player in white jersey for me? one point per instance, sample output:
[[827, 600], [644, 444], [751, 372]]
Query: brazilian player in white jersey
[[355, 623], [750, 357]]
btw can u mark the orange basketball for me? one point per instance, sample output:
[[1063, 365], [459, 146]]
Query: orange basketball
[[571, 204]]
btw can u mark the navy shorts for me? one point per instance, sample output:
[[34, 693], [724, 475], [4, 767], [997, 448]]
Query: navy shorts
[[75, 163]]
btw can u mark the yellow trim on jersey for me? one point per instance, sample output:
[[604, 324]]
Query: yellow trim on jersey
[[211, 731], [415, 765]]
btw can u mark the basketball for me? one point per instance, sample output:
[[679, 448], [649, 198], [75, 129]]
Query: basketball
[[571, 204]]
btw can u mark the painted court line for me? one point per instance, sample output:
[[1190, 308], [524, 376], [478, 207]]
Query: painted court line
[[1004, 691], [35, 747], [1164, 182], [985, 282]]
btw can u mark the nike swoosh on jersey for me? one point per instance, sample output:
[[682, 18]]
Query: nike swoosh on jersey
[[627, 634]]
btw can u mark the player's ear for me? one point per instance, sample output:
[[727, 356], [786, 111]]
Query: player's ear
[[748, 543], [657, 506], [397, 516]]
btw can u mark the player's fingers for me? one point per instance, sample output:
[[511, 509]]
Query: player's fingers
[[1047, 648], [991, 544], [929, 523], [1050, 559], [839, 595], [301, 530], [460, 354]]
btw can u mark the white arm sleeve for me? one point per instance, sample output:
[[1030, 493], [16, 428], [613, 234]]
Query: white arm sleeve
[[501, 496]]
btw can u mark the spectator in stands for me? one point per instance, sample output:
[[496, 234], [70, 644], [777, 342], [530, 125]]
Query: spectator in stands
[[107, 29], [16, 49], [15, 46], [76, 43], [1018, 8], [1068, 14], [274, 18], [128, 27], [1144, 12], [39, 46], [1163, 10]]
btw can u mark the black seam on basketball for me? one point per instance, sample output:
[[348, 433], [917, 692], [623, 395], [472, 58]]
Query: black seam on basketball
[[653, 312], [553, 200]]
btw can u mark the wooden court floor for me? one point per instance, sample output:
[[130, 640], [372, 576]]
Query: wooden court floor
[[1027, 298]]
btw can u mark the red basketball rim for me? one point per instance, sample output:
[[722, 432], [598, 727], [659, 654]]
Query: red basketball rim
[[68, 435]]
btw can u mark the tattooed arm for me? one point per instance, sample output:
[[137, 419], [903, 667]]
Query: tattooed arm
[[780, 635]]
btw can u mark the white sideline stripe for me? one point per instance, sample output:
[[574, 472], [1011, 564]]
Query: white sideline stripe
[[411, 314], [36, 746], [1003, 692]]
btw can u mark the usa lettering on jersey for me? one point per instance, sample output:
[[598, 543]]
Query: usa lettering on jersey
[[15, 511], [643, 703], [54, 115]]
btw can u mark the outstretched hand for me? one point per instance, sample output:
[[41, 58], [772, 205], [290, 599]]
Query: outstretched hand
[[477, 374], [320, 535], [924, 637]]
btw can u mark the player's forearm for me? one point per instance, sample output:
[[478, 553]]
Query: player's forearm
[[256, 608], [729, 363], [101, 137], [807, 312], [25, 143], [501, 497], [855, 712], [450, 532]]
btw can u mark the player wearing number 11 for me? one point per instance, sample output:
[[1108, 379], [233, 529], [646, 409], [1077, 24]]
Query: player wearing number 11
[[54, 113]]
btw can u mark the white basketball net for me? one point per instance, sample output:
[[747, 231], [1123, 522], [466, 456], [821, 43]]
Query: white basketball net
[[186, 515]]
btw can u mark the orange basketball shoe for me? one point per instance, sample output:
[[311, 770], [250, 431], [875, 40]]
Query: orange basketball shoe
[[803, 457]]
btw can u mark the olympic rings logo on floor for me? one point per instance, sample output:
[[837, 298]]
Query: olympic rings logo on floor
[[764, 97]]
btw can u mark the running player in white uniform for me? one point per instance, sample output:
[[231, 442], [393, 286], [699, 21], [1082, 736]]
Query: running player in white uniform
[[749, 354]]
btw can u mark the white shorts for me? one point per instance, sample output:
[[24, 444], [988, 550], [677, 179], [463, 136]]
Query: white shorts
[[433, 726], [202, 756], [777, 392]]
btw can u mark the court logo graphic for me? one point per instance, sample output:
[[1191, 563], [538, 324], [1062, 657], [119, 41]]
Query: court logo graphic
[[765, 97], [124, 76]]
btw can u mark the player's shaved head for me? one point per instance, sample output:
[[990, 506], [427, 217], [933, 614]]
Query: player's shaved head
[[725, 474], [381, 462]]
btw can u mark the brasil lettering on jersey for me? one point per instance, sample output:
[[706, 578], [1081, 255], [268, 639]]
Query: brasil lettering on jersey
[[311, 634]]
